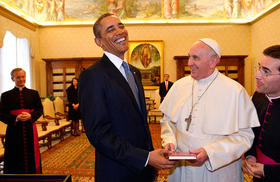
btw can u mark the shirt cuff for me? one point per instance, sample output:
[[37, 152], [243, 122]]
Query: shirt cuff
[[147, 160]]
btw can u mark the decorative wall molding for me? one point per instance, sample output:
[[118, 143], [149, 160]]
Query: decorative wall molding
[[6, 13]]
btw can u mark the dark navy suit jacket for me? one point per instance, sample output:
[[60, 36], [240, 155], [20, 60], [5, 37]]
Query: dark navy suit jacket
[[114, 123]]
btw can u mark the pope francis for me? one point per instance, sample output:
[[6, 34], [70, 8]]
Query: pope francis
[[210, 115]]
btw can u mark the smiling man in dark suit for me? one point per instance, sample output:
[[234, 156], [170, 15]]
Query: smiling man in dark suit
[[113, 111]]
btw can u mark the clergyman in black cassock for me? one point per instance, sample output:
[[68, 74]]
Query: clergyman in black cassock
[[263, 159], [22, 154], [267, 136]]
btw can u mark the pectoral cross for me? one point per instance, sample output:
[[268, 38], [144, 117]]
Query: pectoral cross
[[188, 120]]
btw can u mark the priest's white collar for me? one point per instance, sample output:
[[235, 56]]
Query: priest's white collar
[[20, 88], [114, 59], [209, 78], [271, 98]]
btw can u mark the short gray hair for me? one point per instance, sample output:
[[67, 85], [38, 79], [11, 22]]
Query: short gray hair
[[16, 70]]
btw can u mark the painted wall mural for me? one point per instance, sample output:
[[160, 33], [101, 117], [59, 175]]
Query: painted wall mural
[[59, 11]]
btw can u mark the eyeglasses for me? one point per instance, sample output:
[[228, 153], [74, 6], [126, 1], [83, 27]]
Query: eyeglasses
[[266, 72]]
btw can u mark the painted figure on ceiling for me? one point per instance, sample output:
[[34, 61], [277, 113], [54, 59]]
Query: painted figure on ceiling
[[60, 10], [236, 8], [247, 7], [118, 8], [232, 8], [41, 10], [28, 7], [228, 8], [52, 10], [259, 5], [121, 8], [112, 7], [170, 8]]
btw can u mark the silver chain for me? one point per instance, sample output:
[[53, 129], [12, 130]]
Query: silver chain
[[188, 120]]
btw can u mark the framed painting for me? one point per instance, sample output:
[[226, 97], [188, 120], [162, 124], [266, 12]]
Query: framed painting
[[147, 56]]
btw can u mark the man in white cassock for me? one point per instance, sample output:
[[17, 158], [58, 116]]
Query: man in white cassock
[[210, 115]]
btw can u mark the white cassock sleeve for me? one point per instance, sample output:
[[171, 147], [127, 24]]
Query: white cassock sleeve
[[168, 129], [229, 148]]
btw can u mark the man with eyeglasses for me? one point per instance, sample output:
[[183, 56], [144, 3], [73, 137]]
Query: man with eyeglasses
[[263, 159]]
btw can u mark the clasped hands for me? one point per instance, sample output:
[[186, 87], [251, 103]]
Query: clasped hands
[[24, 116], [251, 166]]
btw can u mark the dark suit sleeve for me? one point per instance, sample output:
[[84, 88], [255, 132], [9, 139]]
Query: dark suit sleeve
[[161, 90], [272, 172], [5, 115], [37, 106], [96, 117]]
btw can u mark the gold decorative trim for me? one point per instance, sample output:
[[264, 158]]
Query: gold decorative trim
[[6, 13]]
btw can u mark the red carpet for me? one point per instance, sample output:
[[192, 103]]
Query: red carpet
[[75, 156]]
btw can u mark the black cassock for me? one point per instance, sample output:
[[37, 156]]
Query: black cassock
[[267, 136], [22, 154]]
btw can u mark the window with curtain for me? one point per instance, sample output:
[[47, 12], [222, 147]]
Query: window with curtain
[[15, 53]]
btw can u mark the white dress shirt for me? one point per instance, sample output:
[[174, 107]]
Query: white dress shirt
[[117, 62]]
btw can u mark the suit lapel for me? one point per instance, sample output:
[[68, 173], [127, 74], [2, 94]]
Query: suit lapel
[[115, 74], [140, 90]]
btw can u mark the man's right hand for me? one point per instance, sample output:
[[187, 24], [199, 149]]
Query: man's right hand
[[158, 160]]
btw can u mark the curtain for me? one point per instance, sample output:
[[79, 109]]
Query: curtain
[[14, 53], [23, 58]]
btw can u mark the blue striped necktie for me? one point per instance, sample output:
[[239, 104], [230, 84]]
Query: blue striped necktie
[[131, 82]]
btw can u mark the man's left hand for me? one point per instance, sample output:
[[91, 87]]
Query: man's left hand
[[257, 169], [201, 156]]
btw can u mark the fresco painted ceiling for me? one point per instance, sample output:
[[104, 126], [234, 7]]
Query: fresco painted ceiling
[[62, 12]]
